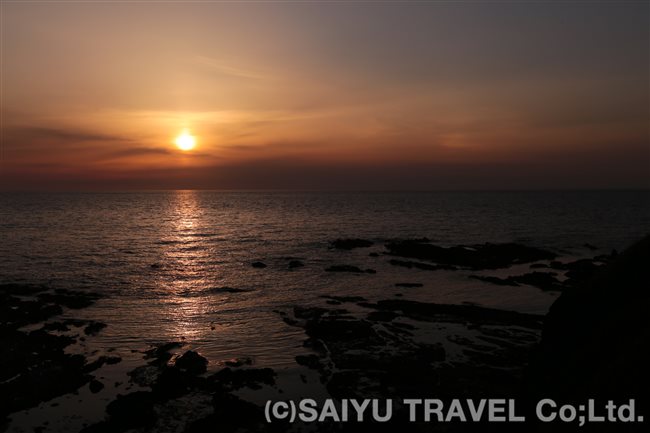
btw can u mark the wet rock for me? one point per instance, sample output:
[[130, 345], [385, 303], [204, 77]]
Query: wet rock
[[135, 410], [145, 375], [192, 363], [580, 271], [258, 265], [349, 244], [56, 326], [35, 367], [382, 316], [239, 362], [345, 298], [309, 361], [231, 414], [69, 298], [459, 313], [94, 328], [417, 265], [341, 330], [495, 280], [483, 256], [171, 383], [46, 377], [349, 268], [308, 312], [21, 289], [595, 337], [160, 353], [95, 386], [253, 378], [16, 312], [226, 289], [542, 280], [101, 361]]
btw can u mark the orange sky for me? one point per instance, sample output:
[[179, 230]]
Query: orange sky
[[316, 95]]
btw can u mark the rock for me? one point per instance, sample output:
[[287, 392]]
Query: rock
[[349, 244], [226, 289], [94, 327], [135, 410], [595, 337], [417, 265], [341, 330], [542, 280], [191, 363], [382, 316], [69, 298], [239, 362], [345, 298], [160, 353], [308, 312], [95, 386], [231, 414], [309, 361], [349, 268], [99, 362], [495, 280], [253, 378], [171, 383], [459, 313], [258, 265], [35, 367], [484, 256]]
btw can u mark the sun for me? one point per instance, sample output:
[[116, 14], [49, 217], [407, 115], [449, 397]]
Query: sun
[[185, 141]]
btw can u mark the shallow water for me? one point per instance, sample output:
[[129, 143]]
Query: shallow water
[[162, 257]]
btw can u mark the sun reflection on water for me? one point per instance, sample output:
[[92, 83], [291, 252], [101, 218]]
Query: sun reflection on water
[[187, 256]]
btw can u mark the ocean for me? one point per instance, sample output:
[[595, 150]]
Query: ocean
[[167, 261], [178, 266]]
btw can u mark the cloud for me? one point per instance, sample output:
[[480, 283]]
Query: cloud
[[38, 133], [215, 65], [137, 151]]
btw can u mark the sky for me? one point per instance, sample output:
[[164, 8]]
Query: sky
[[325, 95]]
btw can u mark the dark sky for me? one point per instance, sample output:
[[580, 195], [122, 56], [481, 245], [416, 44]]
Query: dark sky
[[317, 95]]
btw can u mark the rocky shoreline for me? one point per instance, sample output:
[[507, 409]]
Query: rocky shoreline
[[356, 348]]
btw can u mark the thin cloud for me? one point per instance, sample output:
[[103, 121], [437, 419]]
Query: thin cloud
[[215, 65], [37, 133]]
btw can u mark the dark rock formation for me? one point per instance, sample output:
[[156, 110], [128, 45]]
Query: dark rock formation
[[349, 244], [35, 367], [541, 280], [417, 265], [191, 363], [349, 268], [484, 256], [595, 339]]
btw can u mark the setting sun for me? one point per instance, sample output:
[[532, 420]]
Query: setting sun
[[185, 141]]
